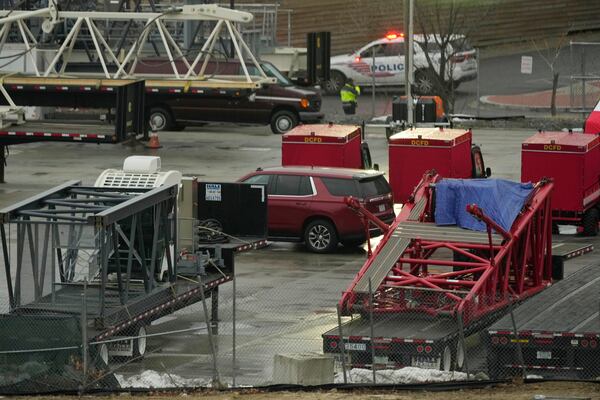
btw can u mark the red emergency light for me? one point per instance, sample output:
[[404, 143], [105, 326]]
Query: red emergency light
[[393, 35]]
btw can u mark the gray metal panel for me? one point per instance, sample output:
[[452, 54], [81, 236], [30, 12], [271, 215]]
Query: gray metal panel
[[401, 238], [134, 205], [35, 201], [571, 305], [382, 264], [388, 255], [431, 231], [405, 326]]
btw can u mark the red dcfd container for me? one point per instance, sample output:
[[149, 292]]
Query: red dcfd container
[[325, 145], [414, 151], [572, 160]]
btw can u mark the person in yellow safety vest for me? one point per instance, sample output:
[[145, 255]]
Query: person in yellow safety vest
[[348, 95]]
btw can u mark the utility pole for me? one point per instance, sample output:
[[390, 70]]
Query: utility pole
[[408, 58], [231, 49]]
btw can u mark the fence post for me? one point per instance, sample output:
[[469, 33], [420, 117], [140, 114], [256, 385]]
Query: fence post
[[461, 338], [342, 345], [3, 157], [478, 86], [372, 332], [84, 338], [234, 354], [216, 378], [516, 334]]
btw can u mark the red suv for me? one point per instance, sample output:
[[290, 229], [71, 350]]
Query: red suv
[[307, 204]]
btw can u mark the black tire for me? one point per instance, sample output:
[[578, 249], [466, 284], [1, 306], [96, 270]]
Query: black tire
[[447, 358], [100, 355], [282, 121], [460, 356], [336, 82], [140, 342], [590, 222], [160, 119], [320, 236], [424, 83]]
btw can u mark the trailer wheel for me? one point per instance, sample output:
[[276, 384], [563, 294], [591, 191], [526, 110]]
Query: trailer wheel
[[160, 119], [140, 342], [590, 222], [446, 361], [100, 355], [320, 236], [460, 356]]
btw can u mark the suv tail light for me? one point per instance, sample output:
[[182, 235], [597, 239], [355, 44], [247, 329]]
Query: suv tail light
[[459, 58]]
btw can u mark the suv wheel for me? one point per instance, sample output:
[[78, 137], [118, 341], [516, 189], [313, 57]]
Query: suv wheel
[[160, 119], [320, 236], [282, 121]]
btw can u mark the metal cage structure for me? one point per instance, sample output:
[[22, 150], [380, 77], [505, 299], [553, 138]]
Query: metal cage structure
[[72, 238], [438, 271], [152, 21]]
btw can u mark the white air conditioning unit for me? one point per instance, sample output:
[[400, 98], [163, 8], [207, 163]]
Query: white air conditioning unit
[[138, 172]]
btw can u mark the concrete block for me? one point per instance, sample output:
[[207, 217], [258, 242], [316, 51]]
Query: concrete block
[[303, 369]]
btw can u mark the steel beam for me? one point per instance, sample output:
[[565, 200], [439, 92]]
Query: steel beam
[[9, 213], [134, 205]]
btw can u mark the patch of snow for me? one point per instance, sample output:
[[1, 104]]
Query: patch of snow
[[384, 119], [156, 380], [534, 377], [404, 375], [567, 229]]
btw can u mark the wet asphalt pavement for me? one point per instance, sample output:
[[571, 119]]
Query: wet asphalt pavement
[[286, 297]]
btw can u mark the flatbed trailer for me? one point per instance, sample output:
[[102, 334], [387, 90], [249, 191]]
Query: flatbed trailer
[[123, 98], [557, 332], [426, 287], [86, 262], [74, 91]]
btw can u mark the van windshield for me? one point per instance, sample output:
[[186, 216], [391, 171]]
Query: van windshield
[[273, 72]]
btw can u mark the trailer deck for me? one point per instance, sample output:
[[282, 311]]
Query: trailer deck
[[569, 306], [557, 332], [57, 131]]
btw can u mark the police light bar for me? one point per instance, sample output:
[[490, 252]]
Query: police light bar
[[393, 35]]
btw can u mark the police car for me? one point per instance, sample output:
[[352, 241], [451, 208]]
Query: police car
[[388, 68]]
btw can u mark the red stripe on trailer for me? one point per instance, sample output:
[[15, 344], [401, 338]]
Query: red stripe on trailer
[[53, 134]]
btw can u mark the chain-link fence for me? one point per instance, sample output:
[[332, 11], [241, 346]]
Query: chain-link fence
[[269, 326], [585, 75]]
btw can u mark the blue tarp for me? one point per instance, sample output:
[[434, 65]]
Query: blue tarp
[[499, 199]]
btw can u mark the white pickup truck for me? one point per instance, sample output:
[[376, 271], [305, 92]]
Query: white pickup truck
[[388, 68]]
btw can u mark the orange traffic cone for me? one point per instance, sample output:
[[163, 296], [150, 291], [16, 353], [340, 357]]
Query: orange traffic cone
[[153, 143]]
